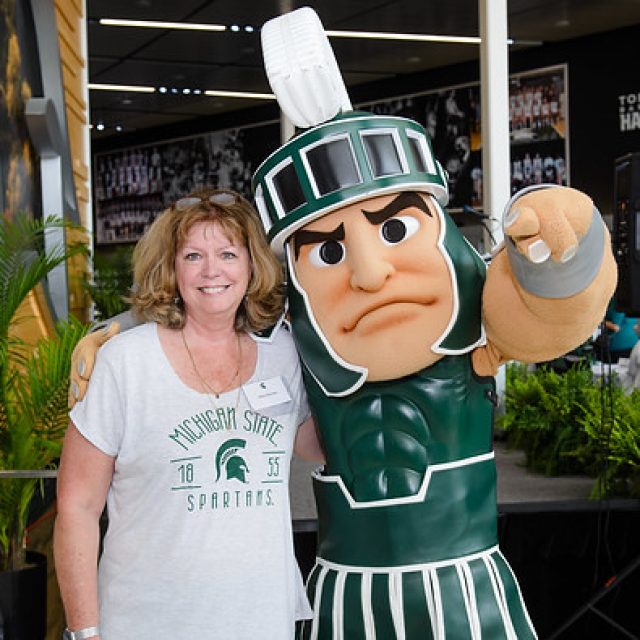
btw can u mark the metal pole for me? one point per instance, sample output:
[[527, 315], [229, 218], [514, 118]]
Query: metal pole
[[494, 101]]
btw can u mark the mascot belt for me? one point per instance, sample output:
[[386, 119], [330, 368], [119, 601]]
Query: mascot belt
[[456, 517]]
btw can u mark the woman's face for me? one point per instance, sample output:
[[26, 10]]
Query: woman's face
[[212, 272]]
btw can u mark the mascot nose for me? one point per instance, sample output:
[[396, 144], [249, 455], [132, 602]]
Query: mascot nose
[[369, 269]]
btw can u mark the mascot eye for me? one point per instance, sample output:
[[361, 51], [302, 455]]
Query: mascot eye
[[398, 229], [327, 254]]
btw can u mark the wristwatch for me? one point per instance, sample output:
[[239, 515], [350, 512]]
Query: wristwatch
[[81, 634]]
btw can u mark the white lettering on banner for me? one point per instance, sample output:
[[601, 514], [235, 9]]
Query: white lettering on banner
[[628, 108]]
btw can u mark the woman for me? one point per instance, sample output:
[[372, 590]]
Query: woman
[[186, 432]]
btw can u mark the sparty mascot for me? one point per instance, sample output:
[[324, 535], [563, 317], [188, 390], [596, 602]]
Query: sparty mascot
[[401, 327]]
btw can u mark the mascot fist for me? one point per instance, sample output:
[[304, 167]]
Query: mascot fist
[[549, 223]]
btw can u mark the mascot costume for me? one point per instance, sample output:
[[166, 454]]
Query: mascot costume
[[401, 327]]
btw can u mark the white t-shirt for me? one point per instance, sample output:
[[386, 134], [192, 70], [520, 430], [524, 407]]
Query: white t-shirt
[[199, 541]]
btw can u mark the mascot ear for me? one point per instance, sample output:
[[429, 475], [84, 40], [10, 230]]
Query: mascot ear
[[302, 69]]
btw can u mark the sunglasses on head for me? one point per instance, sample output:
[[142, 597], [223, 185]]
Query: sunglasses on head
[[222, 198]]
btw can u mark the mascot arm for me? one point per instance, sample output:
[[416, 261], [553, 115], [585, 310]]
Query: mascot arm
[[84, 355], [548, 287]]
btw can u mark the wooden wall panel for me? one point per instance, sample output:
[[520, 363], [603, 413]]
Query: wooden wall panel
[[70, 16]]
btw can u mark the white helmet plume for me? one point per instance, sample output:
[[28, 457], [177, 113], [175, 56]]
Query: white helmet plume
[[302, 69]]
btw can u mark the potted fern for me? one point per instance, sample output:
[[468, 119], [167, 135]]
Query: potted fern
[[33, 403]]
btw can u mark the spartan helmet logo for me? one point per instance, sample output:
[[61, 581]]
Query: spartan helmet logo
[[235, 465]]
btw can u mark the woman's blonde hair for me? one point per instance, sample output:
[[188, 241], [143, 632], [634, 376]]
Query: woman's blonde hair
[[155, 295]]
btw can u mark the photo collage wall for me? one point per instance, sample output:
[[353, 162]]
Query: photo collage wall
[[132, 186]]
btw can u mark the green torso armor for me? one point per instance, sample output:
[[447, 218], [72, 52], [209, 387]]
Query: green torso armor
[[398, 499]]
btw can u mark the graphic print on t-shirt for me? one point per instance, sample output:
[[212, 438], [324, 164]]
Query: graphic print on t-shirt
[[227, 460]]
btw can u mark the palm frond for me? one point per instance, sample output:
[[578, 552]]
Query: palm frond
[[33, 381], [24, 263], [40, 397]]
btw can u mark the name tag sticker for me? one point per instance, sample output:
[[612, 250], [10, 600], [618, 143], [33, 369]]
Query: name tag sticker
[[266, 393]]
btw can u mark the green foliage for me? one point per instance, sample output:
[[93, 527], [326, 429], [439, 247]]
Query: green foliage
[[571, 423], [33, 382], [616, 431], [111, 282], [542, 415]]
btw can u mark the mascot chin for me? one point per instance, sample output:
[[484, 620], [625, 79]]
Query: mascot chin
[[401, 327]]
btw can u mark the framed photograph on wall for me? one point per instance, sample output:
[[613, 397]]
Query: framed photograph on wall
[[133, 185], [538, 127]]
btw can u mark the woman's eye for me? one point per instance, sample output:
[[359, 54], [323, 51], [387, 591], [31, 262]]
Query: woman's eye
[[228, 255], [327, 254], [398, 229], [191, 256]]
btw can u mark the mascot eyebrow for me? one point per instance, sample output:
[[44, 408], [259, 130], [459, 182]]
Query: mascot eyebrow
[[404, 201]]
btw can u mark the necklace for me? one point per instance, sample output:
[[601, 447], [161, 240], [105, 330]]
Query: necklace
[[208, 387]]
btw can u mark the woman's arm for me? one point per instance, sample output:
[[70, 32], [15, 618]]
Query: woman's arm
[[307, 444], [83, 482]]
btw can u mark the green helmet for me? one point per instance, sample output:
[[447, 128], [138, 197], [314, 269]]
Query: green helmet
[[353, 157]]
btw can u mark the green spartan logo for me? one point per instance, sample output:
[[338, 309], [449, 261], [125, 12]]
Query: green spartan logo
[[227, 458]]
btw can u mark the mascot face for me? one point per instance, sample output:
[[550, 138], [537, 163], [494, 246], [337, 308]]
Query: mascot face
[[377, 282]]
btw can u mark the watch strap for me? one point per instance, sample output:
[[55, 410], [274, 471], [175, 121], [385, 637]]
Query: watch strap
[[81, 634]]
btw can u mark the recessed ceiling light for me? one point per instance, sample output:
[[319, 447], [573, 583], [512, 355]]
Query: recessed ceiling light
[[120, 87], [240, 94], [155, 24], [100, 126]]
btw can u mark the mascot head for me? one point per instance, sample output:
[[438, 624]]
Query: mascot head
[[381, 282]]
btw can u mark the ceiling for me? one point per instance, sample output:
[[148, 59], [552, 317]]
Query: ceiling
[[232, 60]]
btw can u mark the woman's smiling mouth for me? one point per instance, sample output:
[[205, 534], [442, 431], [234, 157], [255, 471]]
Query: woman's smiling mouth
[[221, 288]]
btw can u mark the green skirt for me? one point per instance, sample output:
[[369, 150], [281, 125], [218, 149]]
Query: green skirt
[[471, 598]]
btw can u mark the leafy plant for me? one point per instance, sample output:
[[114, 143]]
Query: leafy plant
[[571, 423], [33, 382], [616, 434], [111, 282], [542, 415]]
